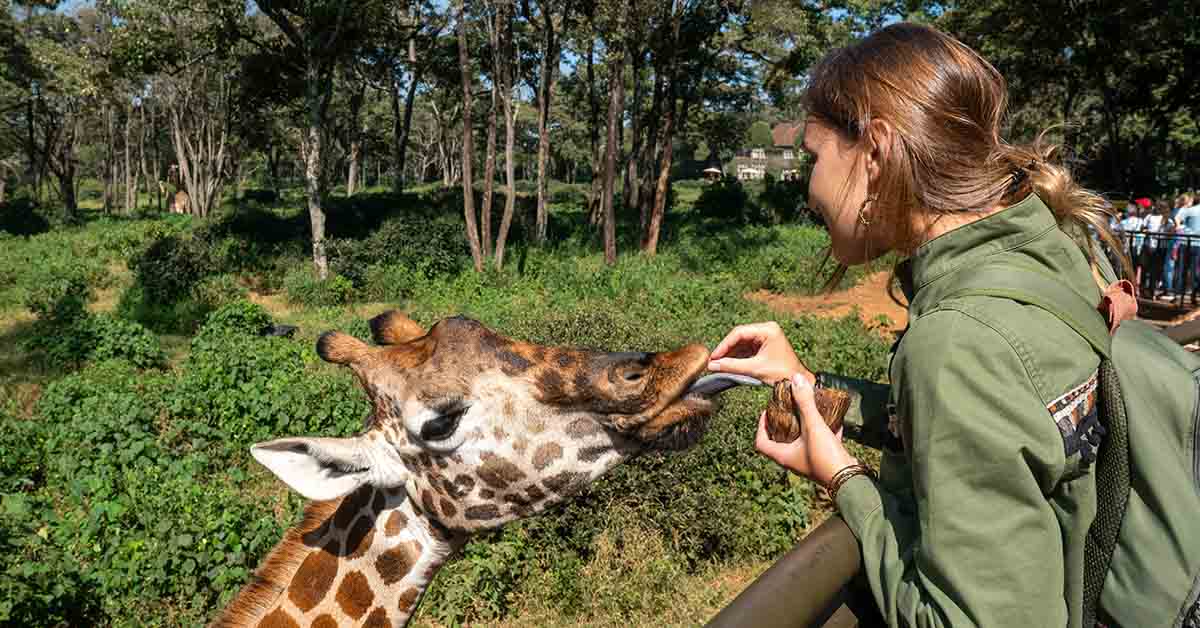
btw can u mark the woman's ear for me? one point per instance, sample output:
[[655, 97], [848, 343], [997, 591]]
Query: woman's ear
[[879, 139]]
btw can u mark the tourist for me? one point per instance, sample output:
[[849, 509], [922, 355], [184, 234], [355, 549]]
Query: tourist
[[984, 497]]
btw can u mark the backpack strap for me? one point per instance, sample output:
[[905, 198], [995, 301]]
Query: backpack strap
[[1037, 288]]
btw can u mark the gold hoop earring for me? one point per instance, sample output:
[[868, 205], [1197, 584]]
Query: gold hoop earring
[[862, 211]]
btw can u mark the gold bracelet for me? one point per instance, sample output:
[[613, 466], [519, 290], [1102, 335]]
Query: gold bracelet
[[844, 475]]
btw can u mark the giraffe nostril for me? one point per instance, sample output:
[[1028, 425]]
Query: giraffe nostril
[[634, 376]]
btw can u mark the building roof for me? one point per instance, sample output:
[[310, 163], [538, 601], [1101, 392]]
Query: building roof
[[783, 135]]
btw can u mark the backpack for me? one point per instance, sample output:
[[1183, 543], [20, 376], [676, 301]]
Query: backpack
[[1142, 553]]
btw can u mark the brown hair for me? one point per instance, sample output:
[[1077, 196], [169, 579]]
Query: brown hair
[[945, 104]]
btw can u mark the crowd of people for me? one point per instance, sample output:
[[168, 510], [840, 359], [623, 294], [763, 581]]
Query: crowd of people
[[1167, 262]]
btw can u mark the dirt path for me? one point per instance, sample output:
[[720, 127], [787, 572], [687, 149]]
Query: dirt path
[[870, 297]]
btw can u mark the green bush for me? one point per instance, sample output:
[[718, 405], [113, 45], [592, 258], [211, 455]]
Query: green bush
[[433, 246], [218, 290], [116, 338], [238, 317], [303, 287]]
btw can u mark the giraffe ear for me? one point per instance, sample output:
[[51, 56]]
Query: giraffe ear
[[317, 468]]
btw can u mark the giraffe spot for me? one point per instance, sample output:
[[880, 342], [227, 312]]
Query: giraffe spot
[[313, 537], [592, 454], [325, 621], [485, 493], [552, 386], [483, 512], [448, 508], [427, 502], [497, 472], [564, 359], [535, 493], [395, 523], [350, 506], [408, 599], [513, 364], [426, 461], [464, 483], [440, 531], [358, 540], [377, 619], [313, 579], [539, 353], [278, 619], [517, 499], [546, 455], [580, 428], [378, 502], [564, 482], [393, 564], [354, 594]]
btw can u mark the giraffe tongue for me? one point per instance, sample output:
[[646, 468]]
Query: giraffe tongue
[[717, 383]]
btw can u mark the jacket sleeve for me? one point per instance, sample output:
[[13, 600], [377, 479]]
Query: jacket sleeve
[[982, 546], [866, 420]]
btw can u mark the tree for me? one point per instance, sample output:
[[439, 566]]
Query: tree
[[759, 134], [468, 181]]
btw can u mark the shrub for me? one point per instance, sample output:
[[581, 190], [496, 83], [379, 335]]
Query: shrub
[[116, 338], [170, 266], [216, 291], [238, 317], [21, 216], [432, 246], [303, 287]]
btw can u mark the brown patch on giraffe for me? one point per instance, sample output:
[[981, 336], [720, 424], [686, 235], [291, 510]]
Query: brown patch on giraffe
[[359, 539], [354, 594], [497, 472], [377, 619], [581, 428], [564, 482], [564, 359], [324, 621], [393, 327], [313, 579], [408, 599], [592, 454], [516, 499], [551, 387], [546, 455], [441, 532], [271, 579], [535, 493], [351, 505], [395, 523], [464, 484], [485, 493], [278, 619], [483, 512], [395, 563], [448, 508], [410, 354], [427, 502], [512, 364]]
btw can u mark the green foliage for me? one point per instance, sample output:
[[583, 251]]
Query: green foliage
[[759, 134], [302, 286], [115, 338], [238, 317], [433, 247]]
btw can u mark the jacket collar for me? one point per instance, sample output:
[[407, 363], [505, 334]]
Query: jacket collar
[[968, 245]]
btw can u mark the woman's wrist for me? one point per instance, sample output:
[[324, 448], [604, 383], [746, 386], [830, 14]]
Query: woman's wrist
[[845, 474]]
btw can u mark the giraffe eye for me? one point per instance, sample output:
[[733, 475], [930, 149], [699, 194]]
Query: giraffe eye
[[442, 427]]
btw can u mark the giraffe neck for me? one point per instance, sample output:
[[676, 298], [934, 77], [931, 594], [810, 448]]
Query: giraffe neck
[[365, 559]]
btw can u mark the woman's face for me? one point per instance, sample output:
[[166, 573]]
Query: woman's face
[[837, 190]]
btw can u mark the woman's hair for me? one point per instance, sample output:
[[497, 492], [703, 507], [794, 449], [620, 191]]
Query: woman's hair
[[945, 104], [1184, 200]]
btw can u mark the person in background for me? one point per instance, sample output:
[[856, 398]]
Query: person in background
[[1187, 221]]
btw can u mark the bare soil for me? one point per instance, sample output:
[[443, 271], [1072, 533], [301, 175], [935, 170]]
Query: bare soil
[[870, 297]]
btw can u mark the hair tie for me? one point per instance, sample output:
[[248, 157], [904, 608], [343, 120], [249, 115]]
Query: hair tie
[[1019, 175]]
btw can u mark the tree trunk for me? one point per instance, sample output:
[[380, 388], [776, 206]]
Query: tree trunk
[[356, 102], [506, 97], [630, 189], [464, 61], [549, 68], [595, 214], [142, 150], [650, 238], [615, 105], [130, 183], [110, 164], [317, 91]]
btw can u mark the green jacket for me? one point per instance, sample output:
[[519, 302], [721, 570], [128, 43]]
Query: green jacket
[[988, 432]]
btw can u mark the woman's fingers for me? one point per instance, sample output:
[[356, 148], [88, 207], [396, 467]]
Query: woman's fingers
[[735, 337], [804, 398]]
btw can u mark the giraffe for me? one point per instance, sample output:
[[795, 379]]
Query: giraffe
[[468, 430]]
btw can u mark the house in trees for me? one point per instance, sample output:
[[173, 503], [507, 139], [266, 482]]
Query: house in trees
[[776, 155]]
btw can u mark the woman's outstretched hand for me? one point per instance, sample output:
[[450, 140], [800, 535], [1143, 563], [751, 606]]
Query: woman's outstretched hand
[[759, 350], [818, 454]]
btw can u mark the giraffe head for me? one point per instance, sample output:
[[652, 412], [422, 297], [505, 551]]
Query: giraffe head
[[479, 430]]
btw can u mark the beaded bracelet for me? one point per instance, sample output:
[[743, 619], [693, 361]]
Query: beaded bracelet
[[844, 475]]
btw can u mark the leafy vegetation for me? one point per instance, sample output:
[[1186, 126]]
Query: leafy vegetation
[[128, 494]]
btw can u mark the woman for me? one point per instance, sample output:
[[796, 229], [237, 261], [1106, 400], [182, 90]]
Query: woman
[[988, 430]]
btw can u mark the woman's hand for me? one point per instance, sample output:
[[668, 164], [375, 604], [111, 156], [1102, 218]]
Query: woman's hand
[[759, 350], [818, 454]]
